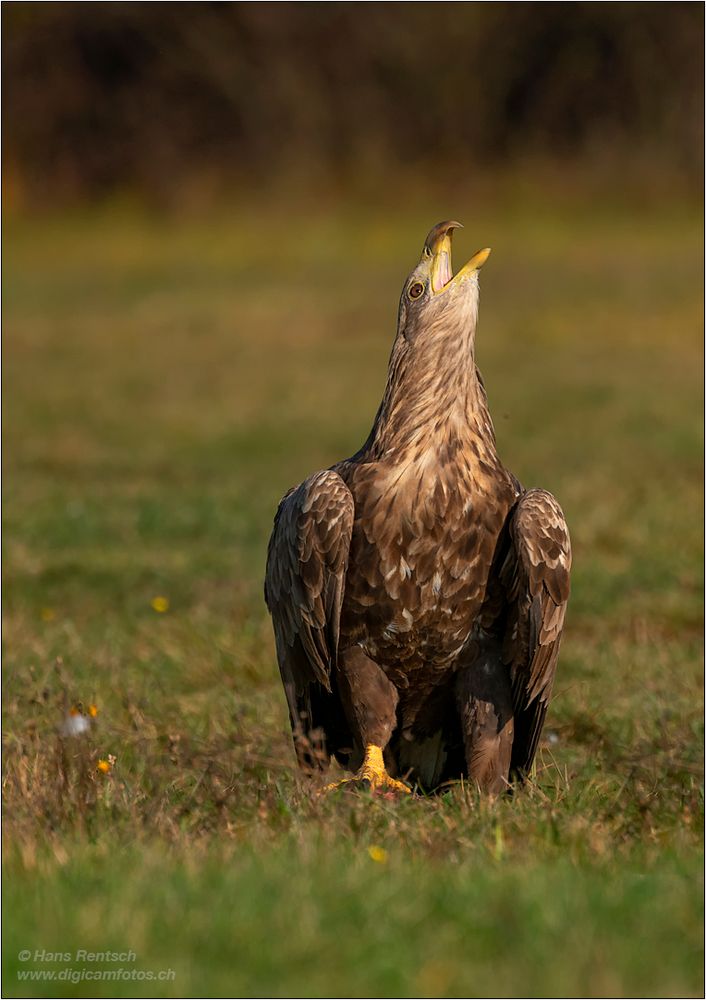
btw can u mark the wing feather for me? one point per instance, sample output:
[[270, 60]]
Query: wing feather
[[535, 575], [307, 559]]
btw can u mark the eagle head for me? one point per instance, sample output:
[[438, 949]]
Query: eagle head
[[433, 298]]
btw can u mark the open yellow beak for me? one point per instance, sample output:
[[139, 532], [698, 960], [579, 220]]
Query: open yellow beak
[[438, 246]]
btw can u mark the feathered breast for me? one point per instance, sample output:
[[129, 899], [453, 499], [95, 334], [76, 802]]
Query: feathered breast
[[422, 546]]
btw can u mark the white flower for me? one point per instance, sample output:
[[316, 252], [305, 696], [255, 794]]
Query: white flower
[[75, 724]]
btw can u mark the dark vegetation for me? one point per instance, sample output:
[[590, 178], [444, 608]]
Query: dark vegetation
[[171, 98]]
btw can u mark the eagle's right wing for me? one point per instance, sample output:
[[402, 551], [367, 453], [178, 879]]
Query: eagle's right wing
[[307, 559], [535, 575]]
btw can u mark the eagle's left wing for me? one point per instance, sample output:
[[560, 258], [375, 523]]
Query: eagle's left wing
[[307, 559], [535, 577]]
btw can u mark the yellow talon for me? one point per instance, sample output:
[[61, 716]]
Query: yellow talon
[[373, 772]]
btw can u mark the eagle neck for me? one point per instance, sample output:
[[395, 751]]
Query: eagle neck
[[434, 399]]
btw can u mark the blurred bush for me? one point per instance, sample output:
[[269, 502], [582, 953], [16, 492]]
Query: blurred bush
[[150, 97]]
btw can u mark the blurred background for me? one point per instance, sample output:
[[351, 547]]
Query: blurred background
[[210, 210], [190, 101]]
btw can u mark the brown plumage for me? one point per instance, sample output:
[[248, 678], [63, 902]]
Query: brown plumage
[[417, 591]]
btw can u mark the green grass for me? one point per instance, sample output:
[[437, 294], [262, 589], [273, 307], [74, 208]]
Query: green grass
[[165, 383]]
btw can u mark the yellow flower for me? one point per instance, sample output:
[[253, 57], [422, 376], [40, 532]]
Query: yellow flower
[[103, 766], [378, 854], [93, 711], [47, 614], [160, 604]]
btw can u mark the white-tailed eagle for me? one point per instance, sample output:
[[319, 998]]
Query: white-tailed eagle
[[417, 590]]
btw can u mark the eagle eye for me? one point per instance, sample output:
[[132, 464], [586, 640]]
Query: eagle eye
[[416, 290]]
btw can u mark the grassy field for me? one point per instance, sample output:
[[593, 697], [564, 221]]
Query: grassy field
[[165, 383]]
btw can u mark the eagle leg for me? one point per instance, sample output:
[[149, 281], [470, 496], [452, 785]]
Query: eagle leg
[[372, 773], [369, 701], [484, 702]]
